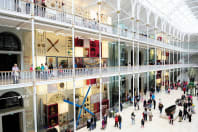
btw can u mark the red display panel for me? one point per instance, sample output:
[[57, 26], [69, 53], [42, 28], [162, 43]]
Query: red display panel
[[91, 81], [79, 42], [94, 48]]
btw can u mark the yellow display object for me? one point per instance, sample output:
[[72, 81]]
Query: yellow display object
[[62, 108], [105, 49], [79, 52]]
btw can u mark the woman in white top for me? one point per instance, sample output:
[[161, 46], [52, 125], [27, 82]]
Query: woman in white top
[[15, 73]]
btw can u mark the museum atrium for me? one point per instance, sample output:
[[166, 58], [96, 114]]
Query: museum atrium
[[65, 63]]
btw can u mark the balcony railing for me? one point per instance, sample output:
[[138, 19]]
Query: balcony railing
[[9, 77], [63, 15]]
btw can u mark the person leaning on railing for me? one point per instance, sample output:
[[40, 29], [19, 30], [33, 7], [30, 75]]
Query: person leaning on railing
[[15, 74]]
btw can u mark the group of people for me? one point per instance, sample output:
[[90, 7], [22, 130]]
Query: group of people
[[91, 123], [188, 108]]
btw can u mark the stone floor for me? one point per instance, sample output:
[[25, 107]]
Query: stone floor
[[158, 124]]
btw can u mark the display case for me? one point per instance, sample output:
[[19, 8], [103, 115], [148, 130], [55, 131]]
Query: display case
[[51, 115]]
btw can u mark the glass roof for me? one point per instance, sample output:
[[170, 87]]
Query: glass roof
[[176, 12]]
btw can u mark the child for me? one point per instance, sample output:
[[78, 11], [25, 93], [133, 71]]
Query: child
[[142, 123], [116, 121]]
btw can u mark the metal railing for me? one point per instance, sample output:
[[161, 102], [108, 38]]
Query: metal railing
[[8, 77], [20, 6], [63, 15]]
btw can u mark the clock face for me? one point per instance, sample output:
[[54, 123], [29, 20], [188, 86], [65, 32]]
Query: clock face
[[62, 85]]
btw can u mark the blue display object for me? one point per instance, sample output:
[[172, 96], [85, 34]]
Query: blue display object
[[81, 106]]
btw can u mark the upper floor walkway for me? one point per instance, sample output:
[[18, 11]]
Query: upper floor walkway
[[11, 10], [9, 79]]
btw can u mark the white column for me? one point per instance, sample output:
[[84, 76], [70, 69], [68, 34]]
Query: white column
[[147, 81], [118, 13], [133, 26], [138, 45], [138, 84], [133, 89], [100, 57], [33, 75], [188, 49], [73, 66], [147, 45]]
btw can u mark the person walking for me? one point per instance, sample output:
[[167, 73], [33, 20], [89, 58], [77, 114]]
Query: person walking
[[160, 107], [189, 115], [185, 113], [105, 119], [150, 114], [120, 121], [121, 106], [116, 120], [180, 115], [145, 114], [142, 123], [171, 118], [95, 119], [133, 118], [154, 104]]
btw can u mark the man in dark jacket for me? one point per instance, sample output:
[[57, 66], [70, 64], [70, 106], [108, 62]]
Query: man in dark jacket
[[120, 121]]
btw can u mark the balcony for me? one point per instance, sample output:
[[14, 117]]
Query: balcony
[[24, 78], [22, 8]]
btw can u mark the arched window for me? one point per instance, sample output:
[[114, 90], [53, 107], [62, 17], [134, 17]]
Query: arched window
[[9, 42], [10, 99]]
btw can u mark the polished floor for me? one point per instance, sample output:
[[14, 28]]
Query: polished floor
[[158, 124]]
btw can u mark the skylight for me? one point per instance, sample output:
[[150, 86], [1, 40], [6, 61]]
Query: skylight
[[177, 13]]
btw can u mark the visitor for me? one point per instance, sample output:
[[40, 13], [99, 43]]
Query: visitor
[[15, 74], [154, 104], [46, 71], [89, 124], [142, 123], [184, 90], [121, 106], [92, 123], [144, 103], [51, 69], [150, 103], [189, 115], [60, 70], [95, 120], [105, 119], [171, 118], [135, 103], [153, 96], [180, 115], [185, 113], [27, 6], [145, 114], [116, 120], [31, 68], [168, 90], [120, 121], [103, 124], [133, 118], [160, 107], [150, 115], [43, 8]]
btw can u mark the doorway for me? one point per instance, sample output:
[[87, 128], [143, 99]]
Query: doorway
[[14, 120], [8, 61]]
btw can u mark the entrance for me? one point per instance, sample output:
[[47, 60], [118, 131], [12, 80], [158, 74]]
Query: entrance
[[8, 61], [11, 123]]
